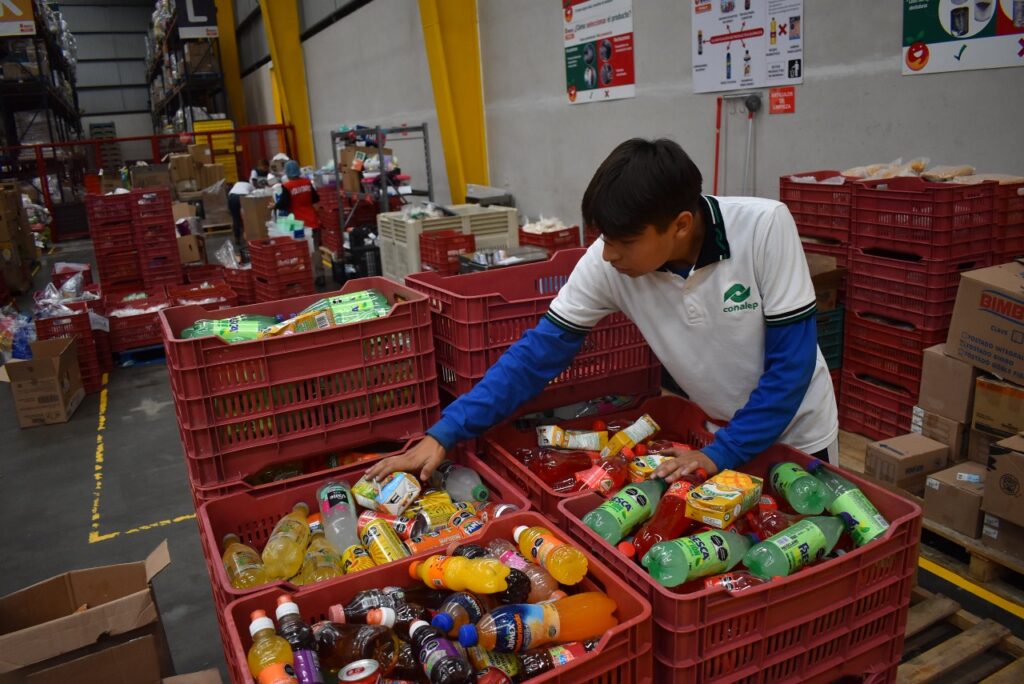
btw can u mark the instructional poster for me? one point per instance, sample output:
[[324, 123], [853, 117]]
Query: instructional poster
[[598, 50], [740, 44], [956, 35]]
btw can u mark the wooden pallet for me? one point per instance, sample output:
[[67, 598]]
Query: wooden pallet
[[946, 643], [217, 228]]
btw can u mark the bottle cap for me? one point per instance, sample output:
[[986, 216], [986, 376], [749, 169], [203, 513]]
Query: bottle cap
[[336, 613], [229, 538], [414, 569], [518, 531], [468, 636], [381, 616], [416, 626], [443, 621], [627, 549], [286, 606], [303, 506], [481, 493], [260, 622]]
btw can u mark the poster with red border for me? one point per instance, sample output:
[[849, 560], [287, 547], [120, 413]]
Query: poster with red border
[[598, 41], [959, 35]]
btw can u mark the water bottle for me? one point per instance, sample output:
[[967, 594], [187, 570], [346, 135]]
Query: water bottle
[[461, 483]]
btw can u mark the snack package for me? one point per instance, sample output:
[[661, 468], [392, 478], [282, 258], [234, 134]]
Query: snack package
[[393, 495], [945, 173], [721, 500], [559, 438]]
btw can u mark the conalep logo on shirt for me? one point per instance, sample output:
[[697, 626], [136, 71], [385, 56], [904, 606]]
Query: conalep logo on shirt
[[738, 294]]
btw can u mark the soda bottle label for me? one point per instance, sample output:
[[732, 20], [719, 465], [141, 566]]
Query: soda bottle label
[[679, 489], [513, 559], [566, 653], [433, 539], [324, 558], [466, 522], [434, 650], [705, 553], [243, 561], [334, 496], [802, 544], [542, 547], [506, 662], [290, 529], [596, 478], [474, 609], [355, 559], [519, 626], [307, 667], [785, 475], [625, 506], [868, 523], [277, 673]]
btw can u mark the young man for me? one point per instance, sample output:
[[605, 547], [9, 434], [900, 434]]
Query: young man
[[297, 196], [718, 286], [259, 175]]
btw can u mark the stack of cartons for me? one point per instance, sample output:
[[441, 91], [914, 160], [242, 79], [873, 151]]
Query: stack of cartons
[[17, 244]]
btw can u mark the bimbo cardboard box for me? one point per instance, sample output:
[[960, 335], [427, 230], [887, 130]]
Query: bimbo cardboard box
[[952, 497], [998, 407], [947, 384], [987, 329], [905, 461], [48, 388], [1004, 489]]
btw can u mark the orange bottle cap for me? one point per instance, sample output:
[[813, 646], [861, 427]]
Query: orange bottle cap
[[285, 598]]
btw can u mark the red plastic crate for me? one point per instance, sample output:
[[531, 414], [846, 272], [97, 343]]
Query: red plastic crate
[[935, 221], [552, 242], [240, 280], [835, 249], [102, 210], [264, 291], [476, 317], [278, 257], [287, 397], [76, 325], [161, 270], [874, 408], [440, 250], [59, 278], [155, 233], [801, 627], [104, 353], [623, 655], [925, 281], [820, 210], [151, 203], [108, 241], [1009, 228], [331, 238], [118, 267], [223, 296], [888, 348], [500, 444], [198, 274], [253, 514], [139, 330]]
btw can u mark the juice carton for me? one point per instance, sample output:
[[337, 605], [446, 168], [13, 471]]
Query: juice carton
[[721, 500]]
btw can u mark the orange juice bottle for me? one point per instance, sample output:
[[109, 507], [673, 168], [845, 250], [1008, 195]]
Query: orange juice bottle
[[478, 575], [267, 647], [565, 562]]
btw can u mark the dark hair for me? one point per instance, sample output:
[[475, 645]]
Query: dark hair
[[641, 182], [263, 162]]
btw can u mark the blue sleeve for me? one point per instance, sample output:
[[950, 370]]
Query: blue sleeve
[[521, 373], [284, 202], [790, 352]]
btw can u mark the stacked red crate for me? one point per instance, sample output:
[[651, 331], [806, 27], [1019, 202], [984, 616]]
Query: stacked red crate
[[1009, 229], [156, 238], [281, 268], [113, 239], [240, 280], [911, 240], [330, 222], [209, 295], [440, 250], [78, 326], [822, 208]]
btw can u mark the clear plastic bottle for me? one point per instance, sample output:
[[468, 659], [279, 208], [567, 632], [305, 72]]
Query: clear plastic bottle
[[243, 565], [806, 542], [321, 561], [399, 618], [299, 635], [678, 561], [479, 575], [801, 489], [565, 562], [267, 647], [442, 662], [866, 523], [337, 645], [461, 483], [286, 548], [338, 511], [520, 627], [632, 505]]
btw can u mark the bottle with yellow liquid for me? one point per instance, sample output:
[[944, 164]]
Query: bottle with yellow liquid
[[478, 575], [322, 561], [243, 565], [565, 562], [267, 648], [629, 437], [519, 627], [286, 548]]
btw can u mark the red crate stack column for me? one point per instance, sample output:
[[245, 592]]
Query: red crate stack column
[[156, 238], [281, 268], [78, 326], [113, 239], [440, 250], [130, 330], [240, 280], [911, 240], [1009, 228], [567, 238], [330, 222]]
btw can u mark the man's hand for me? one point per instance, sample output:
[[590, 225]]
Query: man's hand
[[422, 459], [683, 462]]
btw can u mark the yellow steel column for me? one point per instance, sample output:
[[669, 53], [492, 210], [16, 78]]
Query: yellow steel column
[[229, 60], [281, 24], [453, 52]]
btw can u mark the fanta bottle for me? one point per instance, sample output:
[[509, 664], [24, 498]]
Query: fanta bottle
[[479, 575], [565, 562]]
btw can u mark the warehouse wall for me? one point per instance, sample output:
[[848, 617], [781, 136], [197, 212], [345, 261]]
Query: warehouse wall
[[854, 106], [259, 99]]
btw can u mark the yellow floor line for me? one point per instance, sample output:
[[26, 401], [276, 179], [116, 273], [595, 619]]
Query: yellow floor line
[[969, 586]]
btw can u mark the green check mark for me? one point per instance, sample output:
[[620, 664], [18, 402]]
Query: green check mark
[[957, 55]]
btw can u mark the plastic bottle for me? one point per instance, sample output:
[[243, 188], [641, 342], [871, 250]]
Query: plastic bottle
[[492, 510], [243, 565], [299, 636], [442, 662], [242, 328], [642, 429], [733, 581], [461, 608], [338, 511], [767, 520], [479, 575], [423, 596], [482, 659], [631, 505], [804, 543], [566, 563], [519, 586], [669, 520], [536, 663], [678, 561], [362, 603], [321, 561], [556, 466], [492, 675], [542, 584], [338, 644], [604, 477], [399, 618], [267, 647], [286, 548], [520, 627], [842, 496], [461, 483], [801, 490]]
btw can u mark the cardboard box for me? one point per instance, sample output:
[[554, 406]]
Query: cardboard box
[[827, 278], [209, 174], [110, 182], [998, 407], [137, 660], [978, 446], [81, 612], [256, 211], [182, 167], [1004, 490], [200, 153], [947, 385], [152, 176], [352, 159], [905, 461], [1002, 535], [942, 429], [182, 210], [48, 388], [952, 497], [192, 249], [215, 205], [200, 57], [987, 329]]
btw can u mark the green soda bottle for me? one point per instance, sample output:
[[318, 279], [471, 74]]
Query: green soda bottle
[[866, 523], [801, 489], [630, 506], [243, 328], [806, 542], [678, 561]]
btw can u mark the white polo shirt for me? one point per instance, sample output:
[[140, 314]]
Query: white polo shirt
[[708, 329]]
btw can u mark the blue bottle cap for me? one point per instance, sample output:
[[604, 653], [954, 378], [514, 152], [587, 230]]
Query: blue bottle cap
[[468, 636], [444, 622]]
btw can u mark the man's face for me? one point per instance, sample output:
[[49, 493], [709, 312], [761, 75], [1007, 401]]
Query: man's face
[[646, 252]]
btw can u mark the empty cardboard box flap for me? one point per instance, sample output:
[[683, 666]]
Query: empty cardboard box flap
[[133, 662], [204, 677]]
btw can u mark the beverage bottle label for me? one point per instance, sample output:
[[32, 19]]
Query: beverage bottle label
[[435, 650], [542, 547], [333, 497], [520, 626], [626, 506], [473, 608], [868, 523], [242, 561], [566, 653], [785, 475], [307, 667], [706, 553], [596, 478], [277, 673], [290, 529], [801, 544]]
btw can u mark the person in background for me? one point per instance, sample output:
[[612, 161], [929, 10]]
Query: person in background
[[297, 196], [258, 177], [238, 190]]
